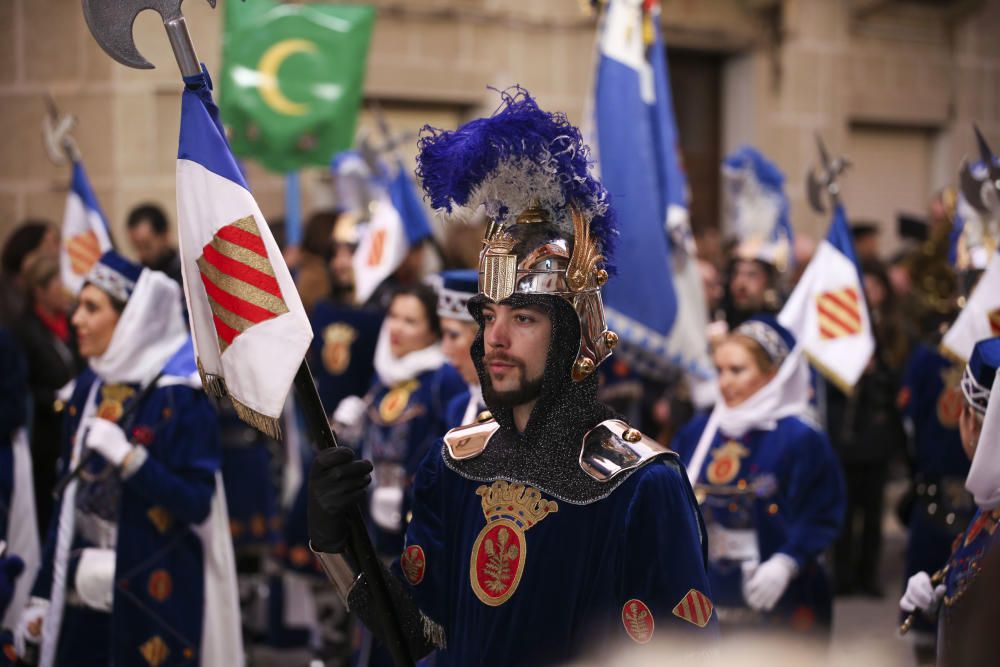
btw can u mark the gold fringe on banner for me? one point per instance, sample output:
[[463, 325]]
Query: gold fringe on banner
[[831, 375], [267, 425], [215, 385]]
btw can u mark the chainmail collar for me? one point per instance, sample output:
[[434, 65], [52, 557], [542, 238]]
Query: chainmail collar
[[546, 455]]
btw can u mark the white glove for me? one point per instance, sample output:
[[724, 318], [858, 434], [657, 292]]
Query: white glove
[[921, 594], [29, 625], [108, 440], [95, 578], [350, 411], [768, 582]]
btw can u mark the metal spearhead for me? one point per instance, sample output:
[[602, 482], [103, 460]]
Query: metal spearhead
[[981, 185], [822, 182], [111, 21], [56, 128]]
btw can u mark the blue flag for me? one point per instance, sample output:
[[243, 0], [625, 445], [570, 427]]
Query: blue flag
[[85, 234], [655, 301], [404, 197]]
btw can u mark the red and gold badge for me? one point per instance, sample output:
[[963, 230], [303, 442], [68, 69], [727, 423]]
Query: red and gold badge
[[160, 585], [337, 339], [638, 621], [413, 563], [726, 462], [394, 403], [500, 550], [694, 608], [994, 316], [113, 397]]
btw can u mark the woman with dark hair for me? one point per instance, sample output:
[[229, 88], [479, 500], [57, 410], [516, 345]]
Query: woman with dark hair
[[404, 411], [769, 485]]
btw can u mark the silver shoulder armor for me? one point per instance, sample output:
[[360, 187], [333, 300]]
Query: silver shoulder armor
[[469, 441], [613, 447]]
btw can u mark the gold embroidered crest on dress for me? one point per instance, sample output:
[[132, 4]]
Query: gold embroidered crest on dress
[[113, 396], [694, 608], [413, 563], [155, 651], [337, 339], [638, 621], [394, 403], [951, 400], [499, 552], [726, 462]]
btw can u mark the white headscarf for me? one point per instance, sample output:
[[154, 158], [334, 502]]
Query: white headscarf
[[983, 481], [150, 330], [787, 394]]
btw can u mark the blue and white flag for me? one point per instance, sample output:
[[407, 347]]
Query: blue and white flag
[[85, 235], [655, 303], [398, 222], [980, 318], [827, 311], [249, 327]]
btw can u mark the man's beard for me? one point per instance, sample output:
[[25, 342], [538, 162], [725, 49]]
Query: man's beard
[[527, 391]]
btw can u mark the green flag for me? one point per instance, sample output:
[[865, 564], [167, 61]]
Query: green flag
[[292, 80]]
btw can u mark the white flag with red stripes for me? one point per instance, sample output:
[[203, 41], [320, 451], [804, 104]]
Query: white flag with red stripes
[[827, 311], [249, 327], [85, 234]]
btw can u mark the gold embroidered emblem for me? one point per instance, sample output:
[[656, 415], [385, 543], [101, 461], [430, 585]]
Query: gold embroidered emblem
[[499, 266], [694, 608], [160, 518], [337, 339], [500, 550], [160, 585], [413, 563], [113, 396], [155, 651], [395, 401], [726, 462], [638, 621]]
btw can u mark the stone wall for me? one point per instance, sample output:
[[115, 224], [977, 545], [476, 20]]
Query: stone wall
[[891, 79]]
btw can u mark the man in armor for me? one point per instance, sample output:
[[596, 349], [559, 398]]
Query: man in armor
[[616, 540]]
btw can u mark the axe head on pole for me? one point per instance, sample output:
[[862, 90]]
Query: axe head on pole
[[111, 21]]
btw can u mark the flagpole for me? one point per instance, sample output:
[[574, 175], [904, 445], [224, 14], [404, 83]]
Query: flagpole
[[318, 426], [293, 210]]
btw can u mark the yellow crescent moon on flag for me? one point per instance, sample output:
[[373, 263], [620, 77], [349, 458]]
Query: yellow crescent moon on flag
[[268, 67]]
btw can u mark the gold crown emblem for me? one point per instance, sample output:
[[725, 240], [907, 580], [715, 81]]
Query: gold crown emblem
[[500, 244], [522, 504], [339, 333]]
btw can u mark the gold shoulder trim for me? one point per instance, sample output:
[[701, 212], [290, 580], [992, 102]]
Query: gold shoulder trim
[[613, 447], [469, 441]]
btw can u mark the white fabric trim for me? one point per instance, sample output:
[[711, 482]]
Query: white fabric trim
[[983, 481], [22, 534]]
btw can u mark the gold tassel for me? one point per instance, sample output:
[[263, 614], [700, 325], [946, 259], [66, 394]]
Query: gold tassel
[[214, 385], [269, 426]]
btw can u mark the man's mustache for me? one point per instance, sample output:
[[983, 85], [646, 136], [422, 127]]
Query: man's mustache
[[502, 358]]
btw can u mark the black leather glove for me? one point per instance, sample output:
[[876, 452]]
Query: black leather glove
[[336, 484]]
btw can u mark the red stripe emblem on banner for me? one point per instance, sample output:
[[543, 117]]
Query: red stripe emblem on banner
[[839, 313]]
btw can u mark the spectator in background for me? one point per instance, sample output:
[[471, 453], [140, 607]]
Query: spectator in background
[[149, 234], [28, 239], [49, 344], [866, 240], [752, 289]]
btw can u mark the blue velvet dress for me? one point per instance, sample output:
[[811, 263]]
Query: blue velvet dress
[[515, 576], [779, 491], [159, 580], [402, 422]]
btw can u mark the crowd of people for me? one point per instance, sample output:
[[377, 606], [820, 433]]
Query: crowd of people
[[481, 409]]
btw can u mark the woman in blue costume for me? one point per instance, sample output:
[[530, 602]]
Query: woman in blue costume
[[403, 413], [138, 565], [458, 331], [769, 484]]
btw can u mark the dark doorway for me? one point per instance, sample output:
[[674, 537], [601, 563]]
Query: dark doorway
[[696, 86]]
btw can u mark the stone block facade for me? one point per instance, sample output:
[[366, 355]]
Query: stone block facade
[[897, 77]]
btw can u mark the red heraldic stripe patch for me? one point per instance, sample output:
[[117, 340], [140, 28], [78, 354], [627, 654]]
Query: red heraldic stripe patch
[[839, 313], [995, 321], [239, 280], [695, 608], [638, 621]]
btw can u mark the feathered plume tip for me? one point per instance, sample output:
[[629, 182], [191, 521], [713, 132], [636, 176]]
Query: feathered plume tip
[[758, 207], [518, 157]]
